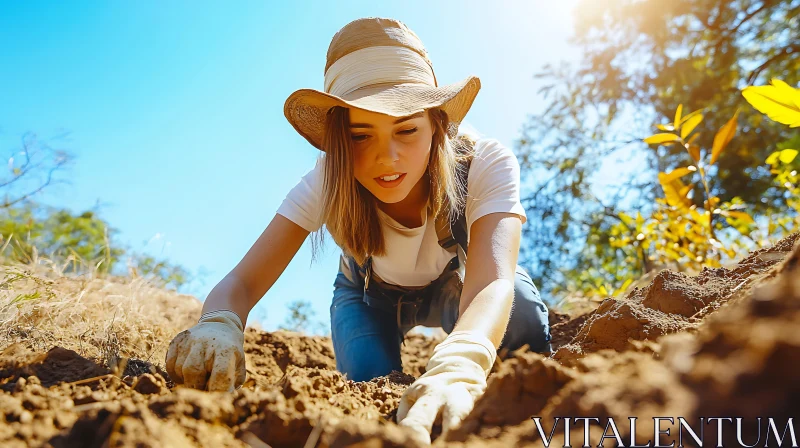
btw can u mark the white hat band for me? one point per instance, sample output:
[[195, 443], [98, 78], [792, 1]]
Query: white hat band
[[377, 65]]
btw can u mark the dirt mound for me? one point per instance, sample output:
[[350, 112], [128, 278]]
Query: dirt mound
[[56, 366], [725, 342], [565, 330], [744, 362], [615, 324], [671, 303]]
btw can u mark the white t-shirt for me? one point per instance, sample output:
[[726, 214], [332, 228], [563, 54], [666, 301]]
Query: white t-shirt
[[414, 256]]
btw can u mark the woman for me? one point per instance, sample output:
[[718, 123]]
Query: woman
[[390, 188]]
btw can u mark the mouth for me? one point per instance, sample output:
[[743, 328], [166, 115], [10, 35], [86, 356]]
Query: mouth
[[391, 183]]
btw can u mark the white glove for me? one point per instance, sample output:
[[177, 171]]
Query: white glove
[[210, 354], [455, 378]]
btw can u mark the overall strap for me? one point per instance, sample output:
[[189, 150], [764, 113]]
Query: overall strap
[[449, 232], [455, 231]]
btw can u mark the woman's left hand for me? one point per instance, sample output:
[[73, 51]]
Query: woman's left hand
[[454, 379]]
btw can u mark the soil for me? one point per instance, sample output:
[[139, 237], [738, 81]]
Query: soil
[[725, 342]]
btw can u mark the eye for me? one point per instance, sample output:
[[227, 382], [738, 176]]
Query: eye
[[359, 138], [408, 131]]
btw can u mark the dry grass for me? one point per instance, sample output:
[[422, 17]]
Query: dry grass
[[101, 317]]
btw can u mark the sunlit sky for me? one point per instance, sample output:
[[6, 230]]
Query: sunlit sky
[[174, 110]]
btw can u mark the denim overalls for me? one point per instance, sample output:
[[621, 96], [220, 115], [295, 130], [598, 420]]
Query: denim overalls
[[370, 318]]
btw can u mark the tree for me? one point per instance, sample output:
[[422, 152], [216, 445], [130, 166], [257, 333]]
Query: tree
[[301, 318], [81, 242], [641, 59]]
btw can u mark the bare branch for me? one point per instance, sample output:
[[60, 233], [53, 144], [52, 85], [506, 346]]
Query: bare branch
[[31, 164], [788, 51], [60, 162]]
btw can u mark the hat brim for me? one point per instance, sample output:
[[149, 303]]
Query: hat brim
[[306, 109]]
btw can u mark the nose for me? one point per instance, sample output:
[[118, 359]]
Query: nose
[[388, 154]]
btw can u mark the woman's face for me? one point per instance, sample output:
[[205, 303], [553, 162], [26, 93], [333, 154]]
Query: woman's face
[[384, 145]]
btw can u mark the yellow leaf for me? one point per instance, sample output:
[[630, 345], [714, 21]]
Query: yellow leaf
[[687, 252], [744, 216], [786, 89], [780, 101], [694, 151], [696, 216], [665, 178], [672, 191], [625, 285], [694, 137], [658, 139], [704, 219], [690, 124], [625, 218], [672, 254], [787, 155], [773, 157], [723, 137], [687, 117], [603, 291], [665, 127], [678, 115], [673, 198]]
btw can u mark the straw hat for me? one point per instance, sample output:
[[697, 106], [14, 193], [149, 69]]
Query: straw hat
[[378, 65]]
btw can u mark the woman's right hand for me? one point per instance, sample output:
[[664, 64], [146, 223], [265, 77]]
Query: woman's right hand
[[209, 355]]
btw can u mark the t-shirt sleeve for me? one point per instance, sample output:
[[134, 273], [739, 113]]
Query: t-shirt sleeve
[[493, 185], [302, 203]]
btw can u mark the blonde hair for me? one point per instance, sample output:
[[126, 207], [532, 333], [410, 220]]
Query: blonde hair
[[350, 211]]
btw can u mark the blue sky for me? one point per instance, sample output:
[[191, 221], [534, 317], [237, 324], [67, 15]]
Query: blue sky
[[174, 110]]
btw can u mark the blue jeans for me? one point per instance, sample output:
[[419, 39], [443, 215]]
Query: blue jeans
[[367, 339]]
